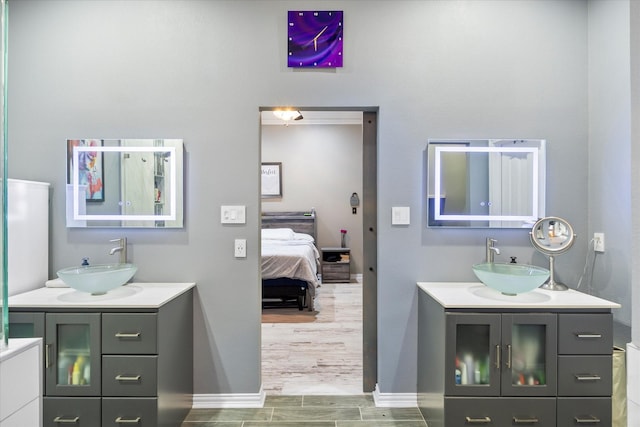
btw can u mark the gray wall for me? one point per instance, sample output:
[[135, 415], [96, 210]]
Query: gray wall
[[200, 70], [321, 168], [610, 152]]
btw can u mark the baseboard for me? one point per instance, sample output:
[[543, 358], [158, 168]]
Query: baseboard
[[633, 373], [229, 400], [394, 400]]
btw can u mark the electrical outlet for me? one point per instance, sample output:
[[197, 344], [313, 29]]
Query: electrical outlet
[[598, 242], [240, 248]]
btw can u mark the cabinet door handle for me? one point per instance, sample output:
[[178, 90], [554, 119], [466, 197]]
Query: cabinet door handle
[[508, 361], [127, 335], [127, 378], [121, 420], [483, 420], [517, 420], [588, 336], [61, 420], [590, 420], [47, 355], [498, 356], [587, 377]]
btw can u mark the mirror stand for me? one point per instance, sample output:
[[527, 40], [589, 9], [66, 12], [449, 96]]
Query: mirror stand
[[551, 284]]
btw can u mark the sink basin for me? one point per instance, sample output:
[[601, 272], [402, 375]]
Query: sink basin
[[511, 279], [97, 279]]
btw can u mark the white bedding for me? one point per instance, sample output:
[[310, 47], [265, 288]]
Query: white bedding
[[290, 255]]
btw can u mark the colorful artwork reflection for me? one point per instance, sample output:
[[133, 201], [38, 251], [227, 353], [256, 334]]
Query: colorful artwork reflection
[[90, 168]]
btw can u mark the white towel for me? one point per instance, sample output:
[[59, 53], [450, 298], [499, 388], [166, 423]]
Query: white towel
[[55, 283]]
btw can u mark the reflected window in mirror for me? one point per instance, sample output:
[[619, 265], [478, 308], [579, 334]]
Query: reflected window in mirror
[[486, 183], [125, 183]]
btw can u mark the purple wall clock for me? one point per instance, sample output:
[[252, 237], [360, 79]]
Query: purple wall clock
[[315, 39]]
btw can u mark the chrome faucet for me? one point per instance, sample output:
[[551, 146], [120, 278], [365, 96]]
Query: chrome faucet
[[122, 248], [491, 249]]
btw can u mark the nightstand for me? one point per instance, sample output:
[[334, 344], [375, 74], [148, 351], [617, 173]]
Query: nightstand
[[335, 265]]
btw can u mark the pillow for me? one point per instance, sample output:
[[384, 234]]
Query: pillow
[[303, 237], [277, 234]]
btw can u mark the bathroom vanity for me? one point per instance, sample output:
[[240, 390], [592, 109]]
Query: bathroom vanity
[[124, 357], [541, 358]]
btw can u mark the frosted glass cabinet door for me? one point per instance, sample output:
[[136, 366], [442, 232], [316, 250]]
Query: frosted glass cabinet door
[[72, 354], [529, 354], [472, 354]]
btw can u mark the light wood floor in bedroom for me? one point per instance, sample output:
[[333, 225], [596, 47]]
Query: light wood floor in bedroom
[[315, 353]]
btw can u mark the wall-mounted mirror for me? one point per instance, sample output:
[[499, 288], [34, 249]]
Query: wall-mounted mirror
[[125, 183], [486, 183]]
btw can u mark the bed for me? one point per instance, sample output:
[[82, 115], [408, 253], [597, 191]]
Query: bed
[[289, 259]]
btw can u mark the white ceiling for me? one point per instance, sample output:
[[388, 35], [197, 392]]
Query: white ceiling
[[316, 118]]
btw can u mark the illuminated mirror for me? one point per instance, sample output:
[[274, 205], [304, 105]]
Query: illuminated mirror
[[125, 183], [489, 183]]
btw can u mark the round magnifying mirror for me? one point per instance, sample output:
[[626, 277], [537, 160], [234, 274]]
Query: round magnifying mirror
[[552, 236]]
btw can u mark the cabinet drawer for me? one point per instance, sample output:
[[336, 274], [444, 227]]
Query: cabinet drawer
[[72, 411], [503, 412], [335, 267], [588, 411], [585, 333], [129, 375], [124, 333], [584, 376], [137, 411]]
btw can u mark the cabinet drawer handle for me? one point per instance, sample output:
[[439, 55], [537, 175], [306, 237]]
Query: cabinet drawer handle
[[121, 420], [517, 420], [587, 377], [127, 378], [66, 420], [483, 420], [588, 336], [590, 420], [498, 357], [508, 362], [126, 335]]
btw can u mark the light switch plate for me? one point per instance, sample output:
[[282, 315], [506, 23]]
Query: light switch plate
[[232, 215], [400, 215]]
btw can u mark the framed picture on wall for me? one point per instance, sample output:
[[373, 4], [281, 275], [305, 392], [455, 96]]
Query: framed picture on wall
[[271, 180], [90, 168]]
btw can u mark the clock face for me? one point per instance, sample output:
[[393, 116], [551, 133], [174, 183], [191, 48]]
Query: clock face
[[315, 39]]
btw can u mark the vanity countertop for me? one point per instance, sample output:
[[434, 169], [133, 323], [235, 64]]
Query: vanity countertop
[[475, 295], [132, 295]]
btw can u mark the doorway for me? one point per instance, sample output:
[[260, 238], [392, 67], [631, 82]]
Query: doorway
[[368, 209]]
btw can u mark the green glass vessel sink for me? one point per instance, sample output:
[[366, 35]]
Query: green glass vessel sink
[[511, 279], [97, 279]]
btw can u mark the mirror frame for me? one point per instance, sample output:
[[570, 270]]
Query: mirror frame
[[562, 248], [449, 145], [76, 218]]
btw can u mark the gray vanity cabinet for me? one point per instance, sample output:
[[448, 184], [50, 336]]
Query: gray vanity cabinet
[[114, 366], [507, 367]]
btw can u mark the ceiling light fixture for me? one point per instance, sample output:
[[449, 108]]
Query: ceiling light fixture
[[288, 114]]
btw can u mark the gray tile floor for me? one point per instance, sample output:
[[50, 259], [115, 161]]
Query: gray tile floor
[[309, 411]]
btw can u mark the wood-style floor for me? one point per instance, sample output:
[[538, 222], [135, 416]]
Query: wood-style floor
[[321, 355]]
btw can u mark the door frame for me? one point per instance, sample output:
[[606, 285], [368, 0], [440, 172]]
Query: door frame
[[369, 236]]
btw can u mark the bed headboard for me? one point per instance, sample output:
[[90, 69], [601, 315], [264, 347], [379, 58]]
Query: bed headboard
[[300, 222]]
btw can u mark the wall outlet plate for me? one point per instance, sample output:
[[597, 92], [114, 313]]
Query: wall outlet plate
[[598, 242], [240, 248]]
